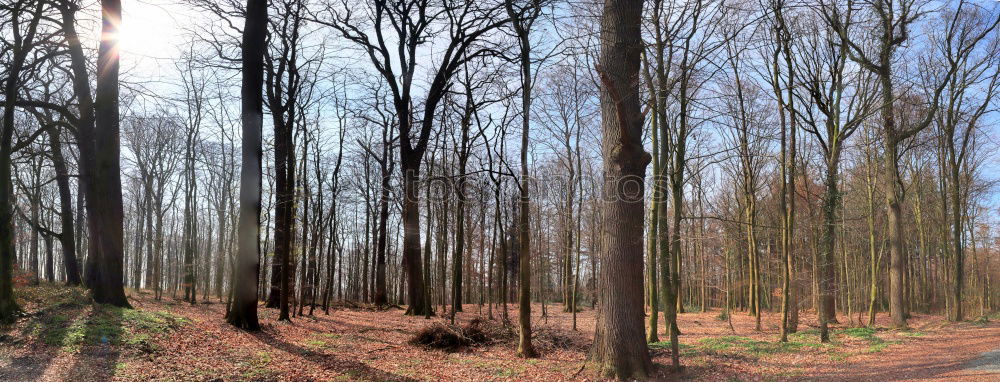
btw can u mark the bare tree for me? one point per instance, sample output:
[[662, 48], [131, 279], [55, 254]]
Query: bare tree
[[891, 21], [967, 97], [619, 347], [412, 24], [243, 312], [21, 44]]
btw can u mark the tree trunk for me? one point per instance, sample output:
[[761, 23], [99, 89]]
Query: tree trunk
[[619, 348], [243, 312], [827, 266], [524, 347], [958, 248], [416, 296], [651, 253], [381, 298], [8, 304], [892, 196], [104, 198]]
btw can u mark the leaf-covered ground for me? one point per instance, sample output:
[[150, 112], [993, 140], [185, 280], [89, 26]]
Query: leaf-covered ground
[[64, 337]]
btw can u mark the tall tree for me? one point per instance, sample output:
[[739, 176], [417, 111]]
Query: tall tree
[[782, 83], [243, 311], [283, 67], [66, 237], [104, 265], [967, 98], [843, 98], [401, 29], [890, 24], [194, 88], [619, 348], [523, 17], [22, 42]]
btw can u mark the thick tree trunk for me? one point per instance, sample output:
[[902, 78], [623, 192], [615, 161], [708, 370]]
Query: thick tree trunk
[[892, 196], [149, 231], [459, 251], [243, 311], [416, 296], [104, 182], [872, 259], [827, 267], [524, 346], [190, 219], [619, 348], [142, 208], [50, 274], [85, 134], [284, 194], [220, 250]]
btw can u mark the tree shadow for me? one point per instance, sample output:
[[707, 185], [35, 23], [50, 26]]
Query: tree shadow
[[41, 338], [102, 334], [361, 328], [28, 367], [353, 368]]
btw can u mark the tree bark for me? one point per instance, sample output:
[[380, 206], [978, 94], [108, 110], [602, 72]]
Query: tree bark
[[619, 348], [104, 198], [243, 311]]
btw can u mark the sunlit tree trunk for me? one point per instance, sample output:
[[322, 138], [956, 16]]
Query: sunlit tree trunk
[[619, 348], [104, 198]]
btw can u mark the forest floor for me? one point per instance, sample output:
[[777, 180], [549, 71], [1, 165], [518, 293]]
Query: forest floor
[[64, 337]]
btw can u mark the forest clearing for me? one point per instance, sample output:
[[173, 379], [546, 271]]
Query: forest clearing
[[172, 340]]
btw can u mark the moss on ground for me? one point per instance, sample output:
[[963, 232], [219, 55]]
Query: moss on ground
[[67, 318], [803, 341]]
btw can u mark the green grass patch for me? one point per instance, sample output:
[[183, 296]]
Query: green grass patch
[[876, 344], [666, 345], [723, 316], [804, 335], [876, 348], [504, 372], [61, 318], [913, 333], [104, 325], [50, 296], [686, 349], [315, 343], [461, 361], [839, 356], [861, 332], [751, 346], [352, 375], [323, 341], [737, 345], [258, 367]]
